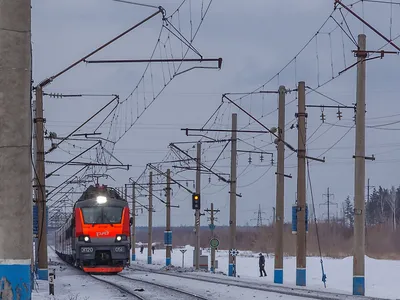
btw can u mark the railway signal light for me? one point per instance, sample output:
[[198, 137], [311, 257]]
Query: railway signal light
[[195, 201]]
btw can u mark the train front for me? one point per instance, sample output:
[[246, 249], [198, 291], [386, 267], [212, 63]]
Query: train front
[[102, 226]]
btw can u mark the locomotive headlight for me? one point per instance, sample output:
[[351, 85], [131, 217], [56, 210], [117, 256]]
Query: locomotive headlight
[[84, 238], [121, 237], [101, 199]]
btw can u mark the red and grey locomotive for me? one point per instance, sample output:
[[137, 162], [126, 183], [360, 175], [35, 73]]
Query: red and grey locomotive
[[96, 237]]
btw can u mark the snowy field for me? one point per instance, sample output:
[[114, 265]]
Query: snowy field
[[381, 275], [381, 279]]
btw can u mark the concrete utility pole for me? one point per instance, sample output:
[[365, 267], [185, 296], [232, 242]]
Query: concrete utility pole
[[197, 212], [279, 215], [168, 233], [212, 211], [232, 208], [359, 174], [41, 201], [301, 188], [150, 233], [133, 228], [15, 152]]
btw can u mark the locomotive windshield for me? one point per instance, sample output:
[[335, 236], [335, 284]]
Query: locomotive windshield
[[102, 215]]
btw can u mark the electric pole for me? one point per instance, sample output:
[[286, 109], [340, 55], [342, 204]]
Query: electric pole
[[42, 270], [301, 188], [279, 212], [133, 228], [232, 218], [197, 212], [368, 188], [212, 211], [328, 203], [15, 151], [168, 232], [259, 216], [150, 237], [126, 199], [359, 182]]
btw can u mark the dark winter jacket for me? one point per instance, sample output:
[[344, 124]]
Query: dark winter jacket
[[261, 260]]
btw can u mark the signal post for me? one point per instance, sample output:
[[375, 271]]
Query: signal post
[[196, 206]]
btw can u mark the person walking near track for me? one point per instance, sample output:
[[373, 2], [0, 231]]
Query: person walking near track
[[261, 264]]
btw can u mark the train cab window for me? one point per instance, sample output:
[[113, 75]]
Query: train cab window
[[102, 215]]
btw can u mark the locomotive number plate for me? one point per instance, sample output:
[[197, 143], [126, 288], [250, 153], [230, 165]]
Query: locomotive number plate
[[86, 249], [119, 249]]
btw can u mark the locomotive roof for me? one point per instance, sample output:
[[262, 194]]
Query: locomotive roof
[[94, 191]]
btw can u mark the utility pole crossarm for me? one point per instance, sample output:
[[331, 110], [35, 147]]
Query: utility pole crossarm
[[52, 78], [170, 178], [367, 24], [119, 61], [201, 164], [261, 124], [71, 160]]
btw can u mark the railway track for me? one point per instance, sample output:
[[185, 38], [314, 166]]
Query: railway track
[[147, 288], [114, 285], [290, 291], [119, 287]]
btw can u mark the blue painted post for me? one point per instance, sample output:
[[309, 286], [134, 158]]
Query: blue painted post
[[15, 159], [301, 246], [168, 232], [279, 216], [150, 226], [359, 172], [168, 245]]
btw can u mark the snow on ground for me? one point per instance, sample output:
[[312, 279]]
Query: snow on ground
[[381, 279], [210, 290], [71, 284]]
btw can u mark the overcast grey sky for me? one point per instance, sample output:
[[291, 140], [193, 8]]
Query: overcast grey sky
[[256, 40]]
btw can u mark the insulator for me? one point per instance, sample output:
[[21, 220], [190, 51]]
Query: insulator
[[272, 161], [261, 157], [187, 184], [194, 186], [209, 179], [339, 114], [249, 159], [323, 117]]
